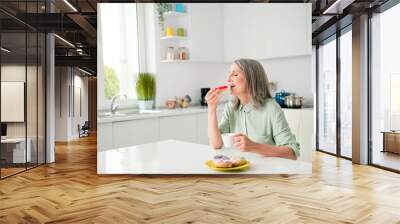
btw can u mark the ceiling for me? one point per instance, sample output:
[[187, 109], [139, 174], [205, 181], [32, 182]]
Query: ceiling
[[76, 22]]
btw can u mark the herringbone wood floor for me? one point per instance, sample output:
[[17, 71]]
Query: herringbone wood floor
[[70, 191]]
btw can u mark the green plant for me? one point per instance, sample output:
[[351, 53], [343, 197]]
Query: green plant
[[111, 82], [161, 9], [145, 86]]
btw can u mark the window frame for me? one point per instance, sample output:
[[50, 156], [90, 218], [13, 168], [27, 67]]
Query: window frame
[[371, 14], [103, 103], [334, 37]]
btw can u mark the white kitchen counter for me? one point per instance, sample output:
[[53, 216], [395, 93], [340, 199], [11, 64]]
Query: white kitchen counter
[[178, 157], [194, 109]]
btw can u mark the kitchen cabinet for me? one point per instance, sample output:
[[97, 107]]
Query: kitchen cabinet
[[293, 118], [301, 123], [183, 127], [306, 134], [202, 127], [104, 136], [252, 30], [206, 32], [135, 132]]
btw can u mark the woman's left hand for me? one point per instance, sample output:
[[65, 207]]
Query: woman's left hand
[[243, 143]]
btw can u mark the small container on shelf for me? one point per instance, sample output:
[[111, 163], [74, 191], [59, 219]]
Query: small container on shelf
[[169, 32], [180, 32], [179, 7], [170, 53], [183, 53]]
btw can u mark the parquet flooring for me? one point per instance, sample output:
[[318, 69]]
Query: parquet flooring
[[70, 191]]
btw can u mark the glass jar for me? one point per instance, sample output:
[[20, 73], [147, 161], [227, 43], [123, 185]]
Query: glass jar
[[169, 31], [170, 53], [183, 54]]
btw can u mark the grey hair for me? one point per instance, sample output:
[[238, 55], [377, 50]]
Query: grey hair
[[257, 82]]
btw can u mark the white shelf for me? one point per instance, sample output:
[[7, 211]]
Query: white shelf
[[194, 61], [175, 61], [174, 38], [174, 14]]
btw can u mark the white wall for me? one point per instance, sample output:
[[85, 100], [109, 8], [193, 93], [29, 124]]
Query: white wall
[[188, 78], [61, 103], [17, 73], [80, 118], [292, 74], [66, 122]]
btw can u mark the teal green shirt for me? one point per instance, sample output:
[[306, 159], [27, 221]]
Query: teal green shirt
[[266, 124]]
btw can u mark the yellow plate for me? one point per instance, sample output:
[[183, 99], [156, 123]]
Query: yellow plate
[[210, 164]]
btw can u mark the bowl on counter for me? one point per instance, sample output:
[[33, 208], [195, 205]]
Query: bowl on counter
[[171, 103], [280, 98]]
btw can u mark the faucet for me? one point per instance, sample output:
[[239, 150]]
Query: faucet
[[115, 106]]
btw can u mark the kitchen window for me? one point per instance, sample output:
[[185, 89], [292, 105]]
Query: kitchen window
[[118, 55], [385, 89], [327, 96], [346, 75]]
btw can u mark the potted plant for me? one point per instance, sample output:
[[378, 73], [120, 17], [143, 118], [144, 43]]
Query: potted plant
[[145, 90], [161, 9]]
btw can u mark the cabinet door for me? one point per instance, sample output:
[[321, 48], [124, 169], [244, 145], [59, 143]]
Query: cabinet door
[[135, 132], [202, 124], [202, 131], [206, 32], [263, 31], [306, 135], [104, 136], [244, 36], [293, 117], [301, 123], [183, 127]]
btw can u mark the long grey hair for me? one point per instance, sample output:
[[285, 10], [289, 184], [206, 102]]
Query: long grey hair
[[257, 82]]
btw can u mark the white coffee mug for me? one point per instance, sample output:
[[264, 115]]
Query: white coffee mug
[[227, 139]]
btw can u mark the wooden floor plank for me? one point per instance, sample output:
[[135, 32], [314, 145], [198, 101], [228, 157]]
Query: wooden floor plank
[[70, 191]]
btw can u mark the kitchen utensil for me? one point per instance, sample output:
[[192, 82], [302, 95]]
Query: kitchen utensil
[[293, 101], [184, 101], [171, 103], [188, 98], [204, 92], [227, 139], [280, 98]]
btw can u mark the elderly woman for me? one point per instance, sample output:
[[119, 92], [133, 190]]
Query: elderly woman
[[258, 121]]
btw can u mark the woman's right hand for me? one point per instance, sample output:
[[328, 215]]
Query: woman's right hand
[[212, 98]]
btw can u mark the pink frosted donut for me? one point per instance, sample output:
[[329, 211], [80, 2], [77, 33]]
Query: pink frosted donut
[[221, 163], [238, 160]]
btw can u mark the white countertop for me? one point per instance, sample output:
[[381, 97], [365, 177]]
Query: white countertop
[[177, 157], [162, 113]]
